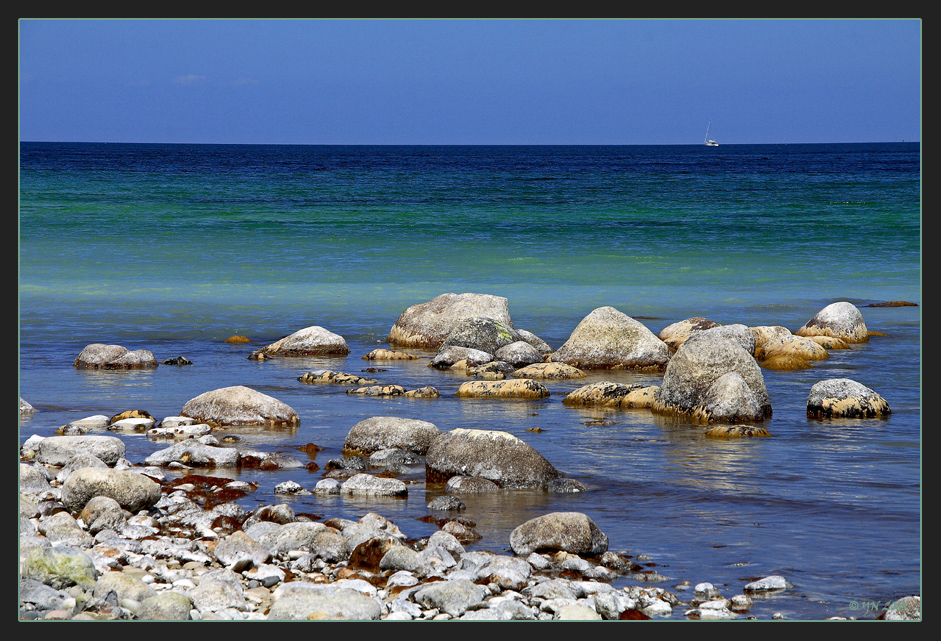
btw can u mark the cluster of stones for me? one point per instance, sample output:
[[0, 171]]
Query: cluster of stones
[[102, 538], [122, 542], [712, 374]]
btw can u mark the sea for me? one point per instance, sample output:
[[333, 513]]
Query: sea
[[174, 248]]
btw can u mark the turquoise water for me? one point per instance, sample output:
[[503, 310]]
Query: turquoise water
[[174, 248]]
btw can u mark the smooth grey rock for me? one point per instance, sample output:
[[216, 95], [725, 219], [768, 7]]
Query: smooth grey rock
[[132, 491], [194, 454], [729, 400], [239, 405], [101, 356], [238, 547], [453, 354], [390, 432], [218, 590], [572, 532], [169, 605], [453, 597], [494, 455], [369, 485], [58, 450]]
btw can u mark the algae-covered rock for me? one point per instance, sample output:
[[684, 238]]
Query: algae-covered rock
[[845, 398]]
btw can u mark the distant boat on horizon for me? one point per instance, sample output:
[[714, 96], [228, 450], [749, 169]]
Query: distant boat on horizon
[[709, 142]]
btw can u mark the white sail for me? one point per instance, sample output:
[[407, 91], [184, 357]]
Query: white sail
[[709, 142]]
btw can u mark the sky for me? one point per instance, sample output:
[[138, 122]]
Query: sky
[[530, 81]]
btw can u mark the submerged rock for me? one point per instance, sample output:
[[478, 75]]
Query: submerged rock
[[844, 398], [338, 378], [610, 339], [427, 325]]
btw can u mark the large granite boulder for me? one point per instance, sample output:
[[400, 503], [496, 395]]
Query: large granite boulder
[[697, 365], [729, 400], [310, 341], [842, 320], [239, 405], [571, 532], [101, 356], [193, 453], [493, 455], [427, 325], [132, 491], [610, 339], [844, 398], [791, 345], [388, 432]]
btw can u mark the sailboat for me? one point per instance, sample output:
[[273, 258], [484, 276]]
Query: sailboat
[[709, 142]]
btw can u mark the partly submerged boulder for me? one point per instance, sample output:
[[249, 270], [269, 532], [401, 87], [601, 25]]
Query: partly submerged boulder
[[101, 356], [571, 532], [547, 371], [427, 325], [729, 400], [610, 339], [791, 345], [607, 394], [844, 398], [483, 333], [493, 455], [239, 405], [697, 365], [310, 341], [516, 388], [386, 432], [842, 320]]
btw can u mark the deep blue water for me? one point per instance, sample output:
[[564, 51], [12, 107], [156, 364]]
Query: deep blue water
[[174, 248]]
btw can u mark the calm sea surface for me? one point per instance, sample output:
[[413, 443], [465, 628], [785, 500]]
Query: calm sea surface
[[174, 248]]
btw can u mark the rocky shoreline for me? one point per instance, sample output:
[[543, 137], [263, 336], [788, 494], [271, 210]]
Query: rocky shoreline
[[104, 538]]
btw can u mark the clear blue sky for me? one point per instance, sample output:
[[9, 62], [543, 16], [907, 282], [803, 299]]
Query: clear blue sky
[[470, 82]]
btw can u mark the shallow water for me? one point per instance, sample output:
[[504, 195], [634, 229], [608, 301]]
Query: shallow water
[[175, 248]]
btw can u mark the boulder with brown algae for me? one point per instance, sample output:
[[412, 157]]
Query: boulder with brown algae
[[427, 325], [676, 334], [697, 365], [100, 356], [842, 320], [610, 339], [493, 455], [239, 405], [844, 398]]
